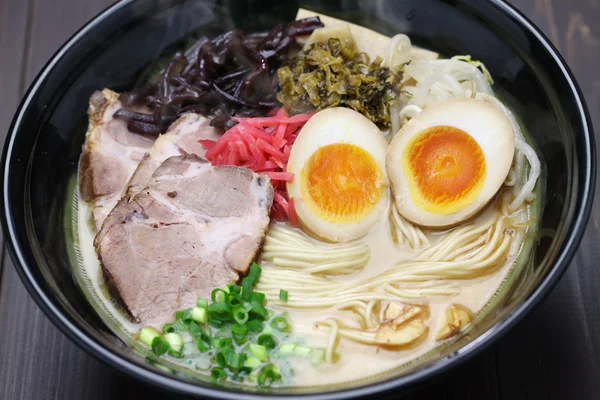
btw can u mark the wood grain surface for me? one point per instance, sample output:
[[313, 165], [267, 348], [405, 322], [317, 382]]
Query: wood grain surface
[[553, 354]]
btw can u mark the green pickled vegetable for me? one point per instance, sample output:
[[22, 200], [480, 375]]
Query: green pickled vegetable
[[334, 74]]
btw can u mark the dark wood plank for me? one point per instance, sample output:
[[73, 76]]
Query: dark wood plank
[[38, 362], [13, 35], [554, 354]]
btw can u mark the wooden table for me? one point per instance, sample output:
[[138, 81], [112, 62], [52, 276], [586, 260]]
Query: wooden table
[[553, 354]]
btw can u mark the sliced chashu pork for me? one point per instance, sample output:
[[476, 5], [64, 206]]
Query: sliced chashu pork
[[181, 138], [110, 155], [195, 227]]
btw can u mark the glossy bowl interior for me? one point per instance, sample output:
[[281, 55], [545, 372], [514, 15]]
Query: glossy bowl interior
[[119, 47]]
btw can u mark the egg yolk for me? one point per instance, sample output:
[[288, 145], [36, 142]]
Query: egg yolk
[[445, 168], [341, 183]]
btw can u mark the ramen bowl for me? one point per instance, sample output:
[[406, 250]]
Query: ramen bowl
[[125, 43]]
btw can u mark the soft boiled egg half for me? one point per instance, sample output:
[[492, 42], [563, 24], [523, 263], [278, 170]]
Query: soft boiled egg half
[[448, 161], [340, 187]]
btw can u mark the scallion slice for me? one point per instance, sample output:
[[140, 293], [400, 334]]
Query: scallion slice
[[239, 333], [159, 346], [254, 273], [221, 359], [214, 322], [283, 294], [168, 328], [255, 326], [259, 309], [204, 342], [202, 303], [218, 295], [251, 362], [218, 374], [259, 297], [236, 360], [281, 324], [199, 314], [194, 329], [240, 314], [148, 334], [268, 374], [221, 342], [184, 315], [267, 340], [287, 348], [246, 292], [220, 311], [259, 351], [175, 341]]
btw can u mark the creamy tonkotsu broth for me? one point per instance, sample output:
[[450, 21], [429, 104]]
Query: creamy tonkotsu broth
[[361, 227]]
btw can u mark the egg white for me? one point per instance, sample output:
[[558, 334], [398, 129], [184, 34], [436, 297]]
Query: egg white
[[485, 123], [336, 125]]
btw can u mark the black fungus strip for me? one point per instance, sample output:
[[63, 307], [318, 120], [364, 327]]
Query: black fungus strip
[[234, 74]]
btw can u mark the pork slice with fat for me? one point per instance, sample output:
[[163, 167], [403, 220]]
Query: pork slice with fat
[[110, 155], [181, 138], [195, 227]]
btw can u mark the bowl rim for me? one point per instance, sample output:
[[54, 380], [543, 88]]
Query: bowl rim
[[77, 333]]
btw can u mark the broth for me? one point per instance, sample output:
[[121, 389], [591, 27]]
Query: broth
[[475, 294], [423, 195]]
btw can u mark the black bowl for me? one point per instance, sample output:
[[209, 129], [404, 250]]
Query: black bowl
[[44, 143]]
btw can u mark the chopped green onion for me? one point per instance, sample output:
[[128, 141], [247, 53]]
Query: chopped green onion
[[221, 342], [214, 322], [220, 311], [259, 351], [246, 288], [176, 354], [234, 300], [159, 346], [287, 348], [168, 328], [281, 324], [251, 362], [181, 326], [259, 297], [283, 294], [221, 359], [202, 303], [268, 374], [194, 329], [175, 340], [255, 326], [235, 289], [204, 342], [239, 333], [302, 351], [218, 295], [236, 360], [184, 315], [238, 329], [259, 309], [240, 314], [267, 340], [148, 334], [199, 314], [218, 374], [254, 273]]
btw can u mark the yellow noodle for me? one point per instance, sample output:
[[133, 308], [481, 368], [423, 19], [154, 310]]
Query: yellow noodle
[[286, 248], [406, 231]]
